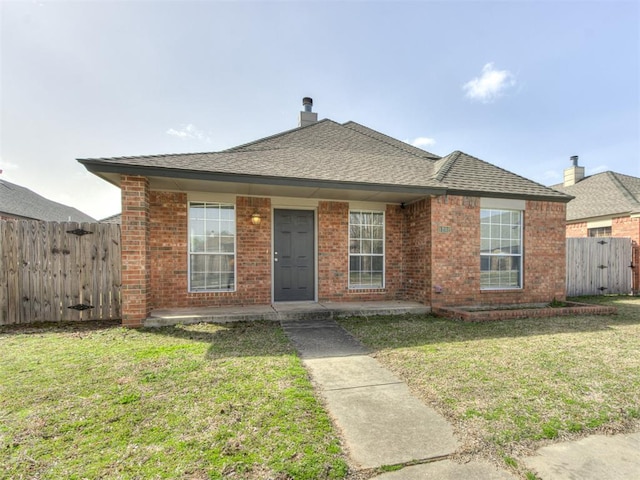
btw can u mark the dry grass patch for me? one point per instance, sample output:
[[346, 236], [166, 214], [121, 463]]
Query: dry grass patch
[[199, 401], [511, 386]]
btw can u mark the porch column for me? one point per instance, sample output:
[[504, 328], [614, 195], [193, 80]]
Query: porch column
[[135, 291]]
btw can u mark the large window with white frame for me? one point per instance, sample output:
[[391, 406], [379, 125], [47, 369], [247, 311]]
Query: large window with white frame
[[500, 249], [366, 249], [212, 247]]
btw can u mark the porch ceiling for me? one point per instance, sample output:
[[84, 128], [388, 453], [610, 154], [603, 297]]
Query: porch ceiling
[[350, 192]]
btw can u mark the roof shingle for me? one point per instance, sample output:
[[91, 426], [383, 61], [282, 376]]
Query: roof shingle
[[602, 194], [21, 202], [327, 151]]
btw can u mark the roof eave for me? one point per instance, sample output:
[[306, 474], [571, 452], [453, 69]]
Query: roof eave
[[97, 167], [515, 196]]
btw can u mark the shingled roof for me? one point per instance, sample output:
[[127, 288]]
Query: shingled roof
[[603, 194], [333, 155], [20, 202]]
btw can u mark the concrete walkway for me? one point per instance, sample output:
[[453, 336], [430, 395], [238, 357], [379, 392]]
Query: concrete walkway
[[381, 422], [598, 457]]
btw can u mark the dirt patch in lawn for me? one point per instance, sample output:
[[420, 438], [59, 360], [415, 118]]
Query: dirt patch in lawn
[[504, 312]]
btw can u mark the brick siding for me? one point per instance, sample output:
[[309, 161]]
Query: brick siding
[[626, 227], [577, 230], [432, 253], [333, 255], [169, 254], [136, 288], [417, 245], [545, 248], [456, 254], [455, 250]]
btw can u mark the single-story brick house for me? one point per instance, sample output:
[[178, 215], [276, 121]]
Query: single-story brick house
[[332, 212], [606, 204]]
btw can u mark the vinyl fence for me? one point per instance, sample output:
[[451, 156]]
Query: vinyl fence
[[598, 266], [58, 271]]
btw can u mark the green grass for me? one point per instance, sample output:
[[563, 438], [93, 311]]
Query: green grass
[[203, 401], [510, 386]]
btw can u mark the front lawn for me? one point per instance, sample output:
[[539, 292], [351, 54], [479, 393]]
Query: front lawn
[[511, 386], [204, 401]]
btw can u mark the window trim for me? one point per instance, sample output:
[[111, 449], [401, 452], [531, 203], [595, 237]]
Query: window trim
[[504, 255], [356, 287], [599, 232], [235, 247]]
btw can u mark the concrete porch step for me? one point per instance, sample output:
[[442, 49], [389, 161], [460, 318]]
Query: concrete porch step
[[281, 311]]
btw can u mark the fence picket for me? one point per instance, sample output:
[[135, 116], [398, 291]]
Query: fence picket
[[597, 266], [44, 270]]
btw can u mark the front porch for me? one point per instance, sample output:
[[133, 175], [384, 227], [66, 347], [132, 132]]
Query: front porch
[[281, 311]]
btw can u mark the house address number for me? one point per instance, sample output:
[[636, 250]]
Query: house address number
[[444, 229]]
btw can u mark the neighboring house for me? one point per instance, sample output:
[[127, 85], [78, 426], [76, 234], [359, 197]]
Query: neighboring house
[[117, 218], [332, 212], [605, 205], [20, 203]]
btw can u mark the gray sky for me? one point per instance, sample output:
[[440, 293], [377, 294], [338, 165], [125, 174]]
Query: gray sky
[[523, 85]]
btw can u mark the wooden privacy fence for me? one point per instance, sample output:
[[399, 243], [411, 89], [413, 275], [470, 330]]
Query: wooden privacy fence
[[53, 271], [598, 266]]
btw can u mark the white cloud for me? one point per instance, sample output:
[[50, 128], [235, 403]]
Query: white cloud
[[188, 132], [421, 142], [7, 166], [490, 85]]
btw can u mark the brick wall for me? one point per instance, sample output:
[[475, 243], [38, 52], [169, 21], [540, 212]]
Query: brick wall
[[620, 227], [545, 251], [432, 253], [455, 262], [626, 227], [394, 251], [254, 251], [577, 230], [417, 246], [333, 255], [455, 250], [169, 269], [136, 293], [169, 254]]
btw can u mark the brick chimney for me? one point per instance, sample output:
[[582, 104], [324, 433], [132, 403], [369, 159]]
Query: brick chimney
[[307, 117], [573, 174]]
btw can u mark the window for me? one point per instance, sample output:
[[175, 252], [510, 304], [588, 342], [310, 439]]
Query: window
[[599, 232], [500, 249], [366, 249], [212, 247]]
